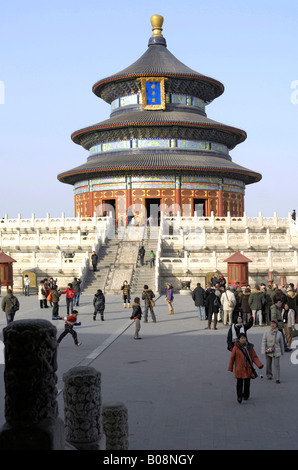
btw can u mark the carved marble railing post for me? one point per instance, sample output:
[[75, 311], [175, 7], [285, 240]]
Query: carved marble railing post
[[82, 407], [31, 409], [115, 425]]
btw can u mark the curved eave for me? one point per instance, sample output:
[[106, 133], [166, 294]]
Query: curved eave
[[160, 162], [77, 136]]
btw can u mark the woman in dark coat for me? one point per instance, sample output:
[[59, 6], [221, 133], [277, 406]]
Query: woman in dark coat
[[213, 306], [99, 303]]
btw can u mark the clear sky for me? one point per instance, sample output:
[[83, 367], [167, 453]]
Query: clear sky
[[52, 52]]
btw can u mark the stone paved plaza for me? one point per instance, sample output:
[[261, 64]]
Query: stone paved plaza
[[174, 381]]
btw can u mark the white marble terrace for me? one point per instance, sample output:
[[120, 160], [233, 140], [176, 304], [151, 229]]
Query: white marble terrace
[[187, 248]]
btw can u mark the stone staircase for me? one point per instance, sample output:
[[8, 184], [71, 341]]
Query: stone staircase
[[118, 261], [144, 274], [106, 260]]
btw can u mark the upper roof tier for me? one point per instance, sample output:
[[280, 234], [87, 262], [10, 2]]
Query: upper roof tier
[[158, 61]]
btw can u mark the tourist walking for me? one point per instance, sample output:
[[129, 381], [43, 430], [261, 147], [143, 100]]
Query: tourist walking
[[276, 314], [136, 316], [76, 284], [213, 307], [52, 283], [42, 295], [236, 329], [126, 294], [256, 302], [242, 359], [244, 305], [288, 316], [99, 303], [169, 297], [222, 281], [228, 301], [236, 312], [198, 296], [94, 260], [55, 301], [70, 293], [291, 297], [47, 292], [267, 304], [10, 305], [142, 252], [70, 322], [148, 296], [26, 285], [152, 258], [273, 348]]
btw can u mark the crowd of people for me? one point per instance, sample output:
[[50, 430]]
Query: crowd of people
[[242, 308], [262, 302]]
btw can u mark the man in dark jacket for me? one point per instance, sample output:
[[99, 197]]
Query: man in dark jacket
[[10, 305], [142, 252], [198, 296], [94, 259]]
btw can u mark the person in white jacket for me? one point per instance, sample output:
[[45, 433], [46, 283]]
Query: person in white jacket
[[26, 285], [228, 301]]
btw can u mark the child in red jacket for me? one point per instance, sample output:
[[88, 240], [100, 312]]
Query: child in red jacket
[[244, 356], [70, 322]]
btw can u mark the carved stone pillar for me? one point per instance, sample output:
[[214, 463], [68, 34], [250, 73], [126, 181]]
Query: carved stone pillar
[[115, 425], [82, 407], [31, 409]]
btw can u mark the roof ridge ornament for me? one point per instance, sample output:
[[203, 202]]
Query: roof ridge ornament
[[156, 22], [157, 37]]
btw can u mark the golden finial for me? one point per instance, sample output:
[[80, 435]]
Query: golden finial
[[157, 21]]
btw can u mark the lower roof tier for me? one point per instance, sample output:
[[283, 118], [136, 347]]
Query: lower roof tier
[[165, 162]]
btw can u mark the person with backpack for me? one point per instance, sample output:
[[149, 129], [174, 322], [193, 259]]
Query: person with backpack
[[10, 305], [99, 303], [213, 304], [147, 296]]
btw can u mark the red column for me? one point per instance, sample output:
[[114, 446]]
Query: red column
[[220, 204]]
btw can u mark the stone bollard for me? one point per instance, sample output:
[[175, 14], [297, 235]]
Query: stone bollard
[[31, 409], [115, 425], [82, 407]]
